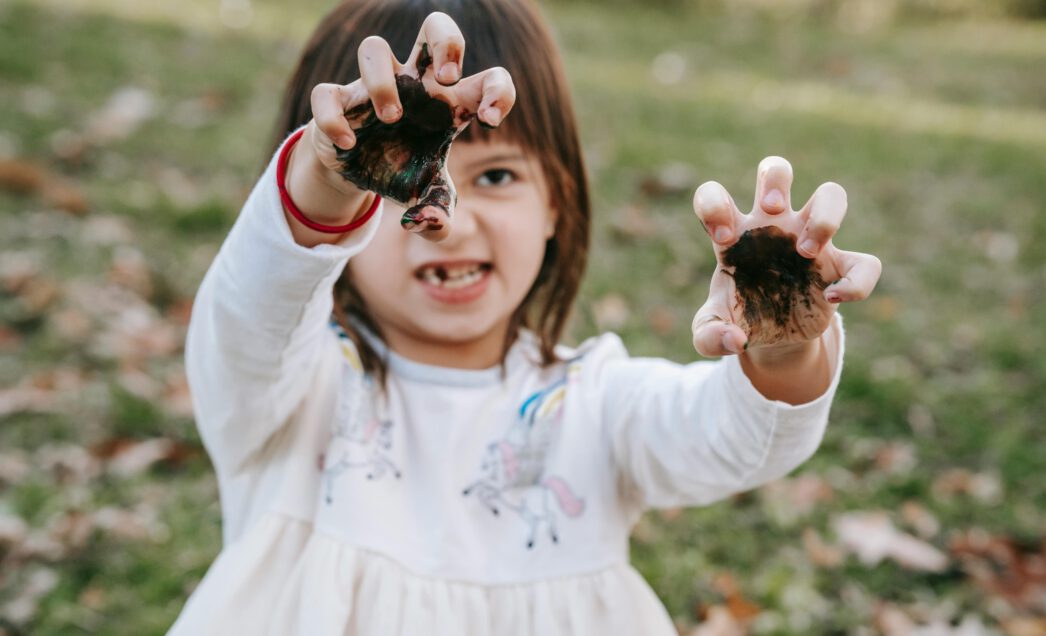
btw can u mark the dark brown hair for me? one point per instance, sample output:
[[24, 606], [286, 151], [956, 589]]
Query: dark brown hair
[[508, 33]]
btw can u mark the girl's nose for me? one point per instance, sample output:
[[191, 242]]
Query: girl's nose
[[464, 225]]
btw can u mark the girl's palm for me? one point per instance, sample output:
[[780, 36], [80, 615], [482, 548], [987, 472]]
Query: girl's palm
[[778, 276], [390, 131]]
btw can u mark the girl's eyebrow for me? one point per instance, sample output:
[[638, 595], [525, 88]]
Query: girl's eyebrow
[[504, 157]]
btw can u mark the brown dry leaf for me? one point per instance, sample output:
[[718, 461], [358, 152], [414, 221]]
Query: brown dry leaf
[[872, 537], [137, 457], [72, 529], [129, 525], [1004, 569], [719, 622], [670, 179], [14, 467], [632, 222], [10, 340], [1024, 626], [920, 519], [44, 392], [821, 553], [739, 607], [985, 487], [130, 269], [120, 117], [662, 320], [28, 178], [892, 621], [896, 458], [790, 499], [13, 530], [177, 400], [25, 399], [611, 312], [36, 584], [93, 597], [68, 463]]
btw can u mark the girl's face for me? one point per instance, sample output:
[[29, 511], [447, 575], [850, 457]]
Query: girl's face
[[450, 303]]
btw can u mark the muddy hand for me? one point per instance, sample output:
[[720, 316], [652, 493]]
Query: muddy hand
[[778, 277], [390, 131]]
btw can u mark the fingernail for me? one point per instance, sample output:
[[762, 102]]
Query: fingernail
[[809, 246], [729, 344], [493, 115], [344, 142], [448, 72], [833, 297], [774, 199], [390, 112], [723, 234]]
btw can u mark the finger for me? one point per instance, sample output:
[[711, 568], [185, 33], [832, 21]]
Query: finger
[[774, 185], [860, 274], [822, 215], [329, 103], [717, 212], [494, 91], [378, 68], [716, 336], [440, 44]]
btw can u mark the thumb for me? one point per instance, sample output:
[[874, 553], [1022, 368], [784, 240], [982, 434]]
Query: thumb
[[715, 335]]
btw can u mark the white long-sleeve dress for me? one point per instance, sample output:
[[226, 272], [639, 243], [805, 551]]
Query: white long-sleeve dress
[[460, 502]]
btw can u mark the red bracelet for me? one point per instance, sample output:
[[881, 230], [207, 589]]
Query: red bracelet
[[288, 203]]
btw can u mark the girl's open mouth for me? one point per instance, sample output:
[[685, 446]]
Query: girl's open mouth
[[457, 282]]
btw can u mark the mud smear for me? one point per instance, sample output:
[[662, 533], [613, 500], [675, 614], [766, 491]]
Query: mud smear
[[776, 286], [405, 161]]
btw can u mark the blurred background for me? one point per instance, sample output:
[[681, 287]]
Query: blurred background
[[130, 133]]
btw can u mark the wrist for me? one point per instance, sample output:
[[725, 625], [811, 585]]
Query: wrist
[[320, 193], [784, 355]]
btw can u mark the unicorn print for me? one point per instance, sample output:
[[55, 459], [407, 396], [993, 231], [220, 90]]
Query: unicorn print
[[512, 470], [360, 439]]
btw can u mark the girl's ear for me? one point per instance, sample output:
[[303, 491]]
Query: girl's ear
[[550, 221]]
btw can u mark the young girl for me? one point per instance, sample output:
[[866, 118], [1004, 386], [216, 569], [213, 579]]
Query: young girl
[[430, 461]]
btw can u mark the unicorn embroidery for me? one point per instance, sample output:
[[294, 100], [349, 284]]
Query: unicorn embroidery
[[513, 469], [360, 439]]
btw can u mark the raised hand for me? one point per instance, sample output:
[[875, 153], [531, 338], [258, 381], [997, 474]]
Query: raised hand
[[390, 131], [778, 276]]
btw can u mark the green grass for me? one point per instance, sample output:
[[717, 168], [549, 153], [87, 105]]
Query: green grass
[[936, 129]]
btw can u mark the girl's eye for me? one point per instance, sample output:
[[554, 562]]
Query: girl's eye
[[496, 177]]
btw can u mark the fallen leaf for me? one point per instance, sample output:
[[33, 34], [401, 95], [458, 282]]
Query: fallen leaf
[[1003, 568], [788, 500], [872, 537], [920, 519], [670, 179], [120, 117], [611, 312], [136, 457], [37, 584], [632, 222], [13, 530], [1024, 626], [821, 553], [27, 178], [719, 622], [984, 487], [662, 320]]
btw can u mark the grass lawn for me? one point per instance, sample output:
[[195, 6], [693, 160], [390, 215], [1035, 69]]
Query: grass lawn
[[937, 129]]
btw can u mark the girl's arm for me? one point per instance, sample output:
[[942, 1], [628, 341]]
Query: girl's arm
[[259, 330], [684, 435], [699, 433]]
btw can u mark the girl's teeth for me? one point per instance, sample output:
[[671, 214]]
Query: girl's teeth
[[453, 278]]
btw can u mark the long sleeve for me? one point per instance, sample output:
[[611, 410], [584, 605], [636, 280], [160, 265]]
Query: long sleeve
[[694, 434], [259, 326]]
